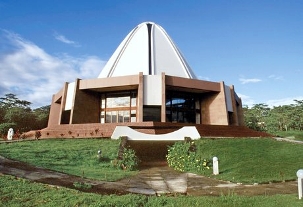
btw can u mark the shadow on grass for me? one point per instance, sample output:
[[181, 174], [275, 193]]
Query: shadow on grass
[[104, 159]]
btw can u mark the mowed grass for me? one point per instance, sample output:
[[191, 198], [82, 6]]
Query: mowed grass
[[71, 156], [20, 192], [298, 135], [241, 160], [247, 160]]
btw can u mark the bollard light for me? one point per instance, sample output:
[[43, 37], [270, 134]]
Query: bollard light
[[300, 186], [215, 166], [99, 155], [300, 173]]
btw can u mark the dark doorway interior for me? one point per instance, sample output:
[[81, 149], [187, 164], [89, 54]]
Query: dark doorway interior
[[150, 151], [152, 113]]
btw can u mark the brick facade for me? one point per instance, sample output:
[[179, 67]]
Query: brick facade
[[83, 119]]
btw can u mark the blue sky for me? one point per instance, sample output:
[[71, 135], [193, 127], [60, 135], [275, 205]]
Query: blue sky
[[256, 45]]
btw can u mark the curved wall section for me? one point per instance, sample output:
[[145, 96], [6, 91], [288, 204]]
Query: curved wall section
[[167, 57], [130, 57], [150, 50], [180, 134]]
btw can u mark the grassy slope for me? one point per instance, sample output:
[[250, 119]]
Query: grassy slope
[[253, 160], [20, 192], [240, 160], [77, 156], [245, 160], [298, 135]]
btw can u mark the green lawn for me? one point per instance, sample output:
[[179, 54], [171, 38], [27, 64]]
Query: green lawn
[[297, 135], [20, 192], [241, 160], [72, 156], [250, 161]]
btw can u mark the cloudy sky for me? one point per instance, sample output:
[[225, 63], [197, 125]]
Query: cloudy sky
[[257, 46]]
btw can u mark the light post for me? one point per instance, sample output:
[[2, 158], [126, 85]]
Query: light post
[[215, 166], [300, 177], [99, 155]]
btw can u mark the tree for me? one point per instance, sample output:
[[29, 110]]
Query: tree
[[10, 100], [2, 114], [23, 118], [15, 112], [250, 119], [298, 111], [41, 115], [255, 117], [279, 118]]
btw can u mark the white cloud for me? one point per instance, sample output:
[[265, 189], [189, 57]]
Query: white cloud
[[34, 75], [246, 100], [203, 78], [275, 77], [284, 101], [63, 39], [249, 80]]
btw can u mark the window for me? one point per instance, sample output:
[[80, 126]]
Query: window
[[118, 107], [182, 107]]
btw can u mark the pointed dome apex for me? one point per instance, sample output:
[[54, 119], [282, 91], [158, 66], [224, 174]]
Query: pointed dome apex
[[148, 49]]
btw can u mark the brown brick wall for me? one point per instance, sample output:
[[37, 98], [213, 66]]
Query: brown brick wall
[[234, 116], [192, 84], [106, 130], [140, 98], [163, 95], [86, 107], [214, 108], [53, 118], [57, 107]]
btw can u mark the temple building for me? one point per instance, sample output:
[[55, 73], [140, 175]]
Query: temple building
[[146, 81]]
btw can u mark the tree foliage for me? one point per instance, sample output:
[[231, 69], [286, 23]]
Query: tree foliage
[[17, 114], [10, 101], [279, 118]]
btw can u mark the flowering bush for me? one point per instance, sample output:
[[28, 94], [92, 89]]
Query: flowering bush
[[182, 158], [129, 160]]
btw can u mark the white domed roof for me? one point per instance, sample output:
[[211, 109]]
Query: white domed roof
[[148, 49]]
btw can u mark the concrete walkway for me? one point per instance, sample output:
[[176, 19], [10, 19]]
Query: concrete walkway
[[289, 140], [154, 180]]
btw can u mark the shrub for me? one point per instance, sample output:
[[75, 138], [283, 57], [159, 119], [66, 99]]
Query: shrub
[[37, 134], [181, 157], [129, 160]]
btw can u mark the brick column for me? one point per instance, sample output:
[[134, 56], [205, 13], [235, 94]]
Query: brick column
[[54, 114], [63, 101], [140, 99], [235, 120], [163, 106]]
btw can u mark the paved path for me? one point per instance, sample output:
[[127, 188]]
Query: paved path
[[149, 181], [289, 140]]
